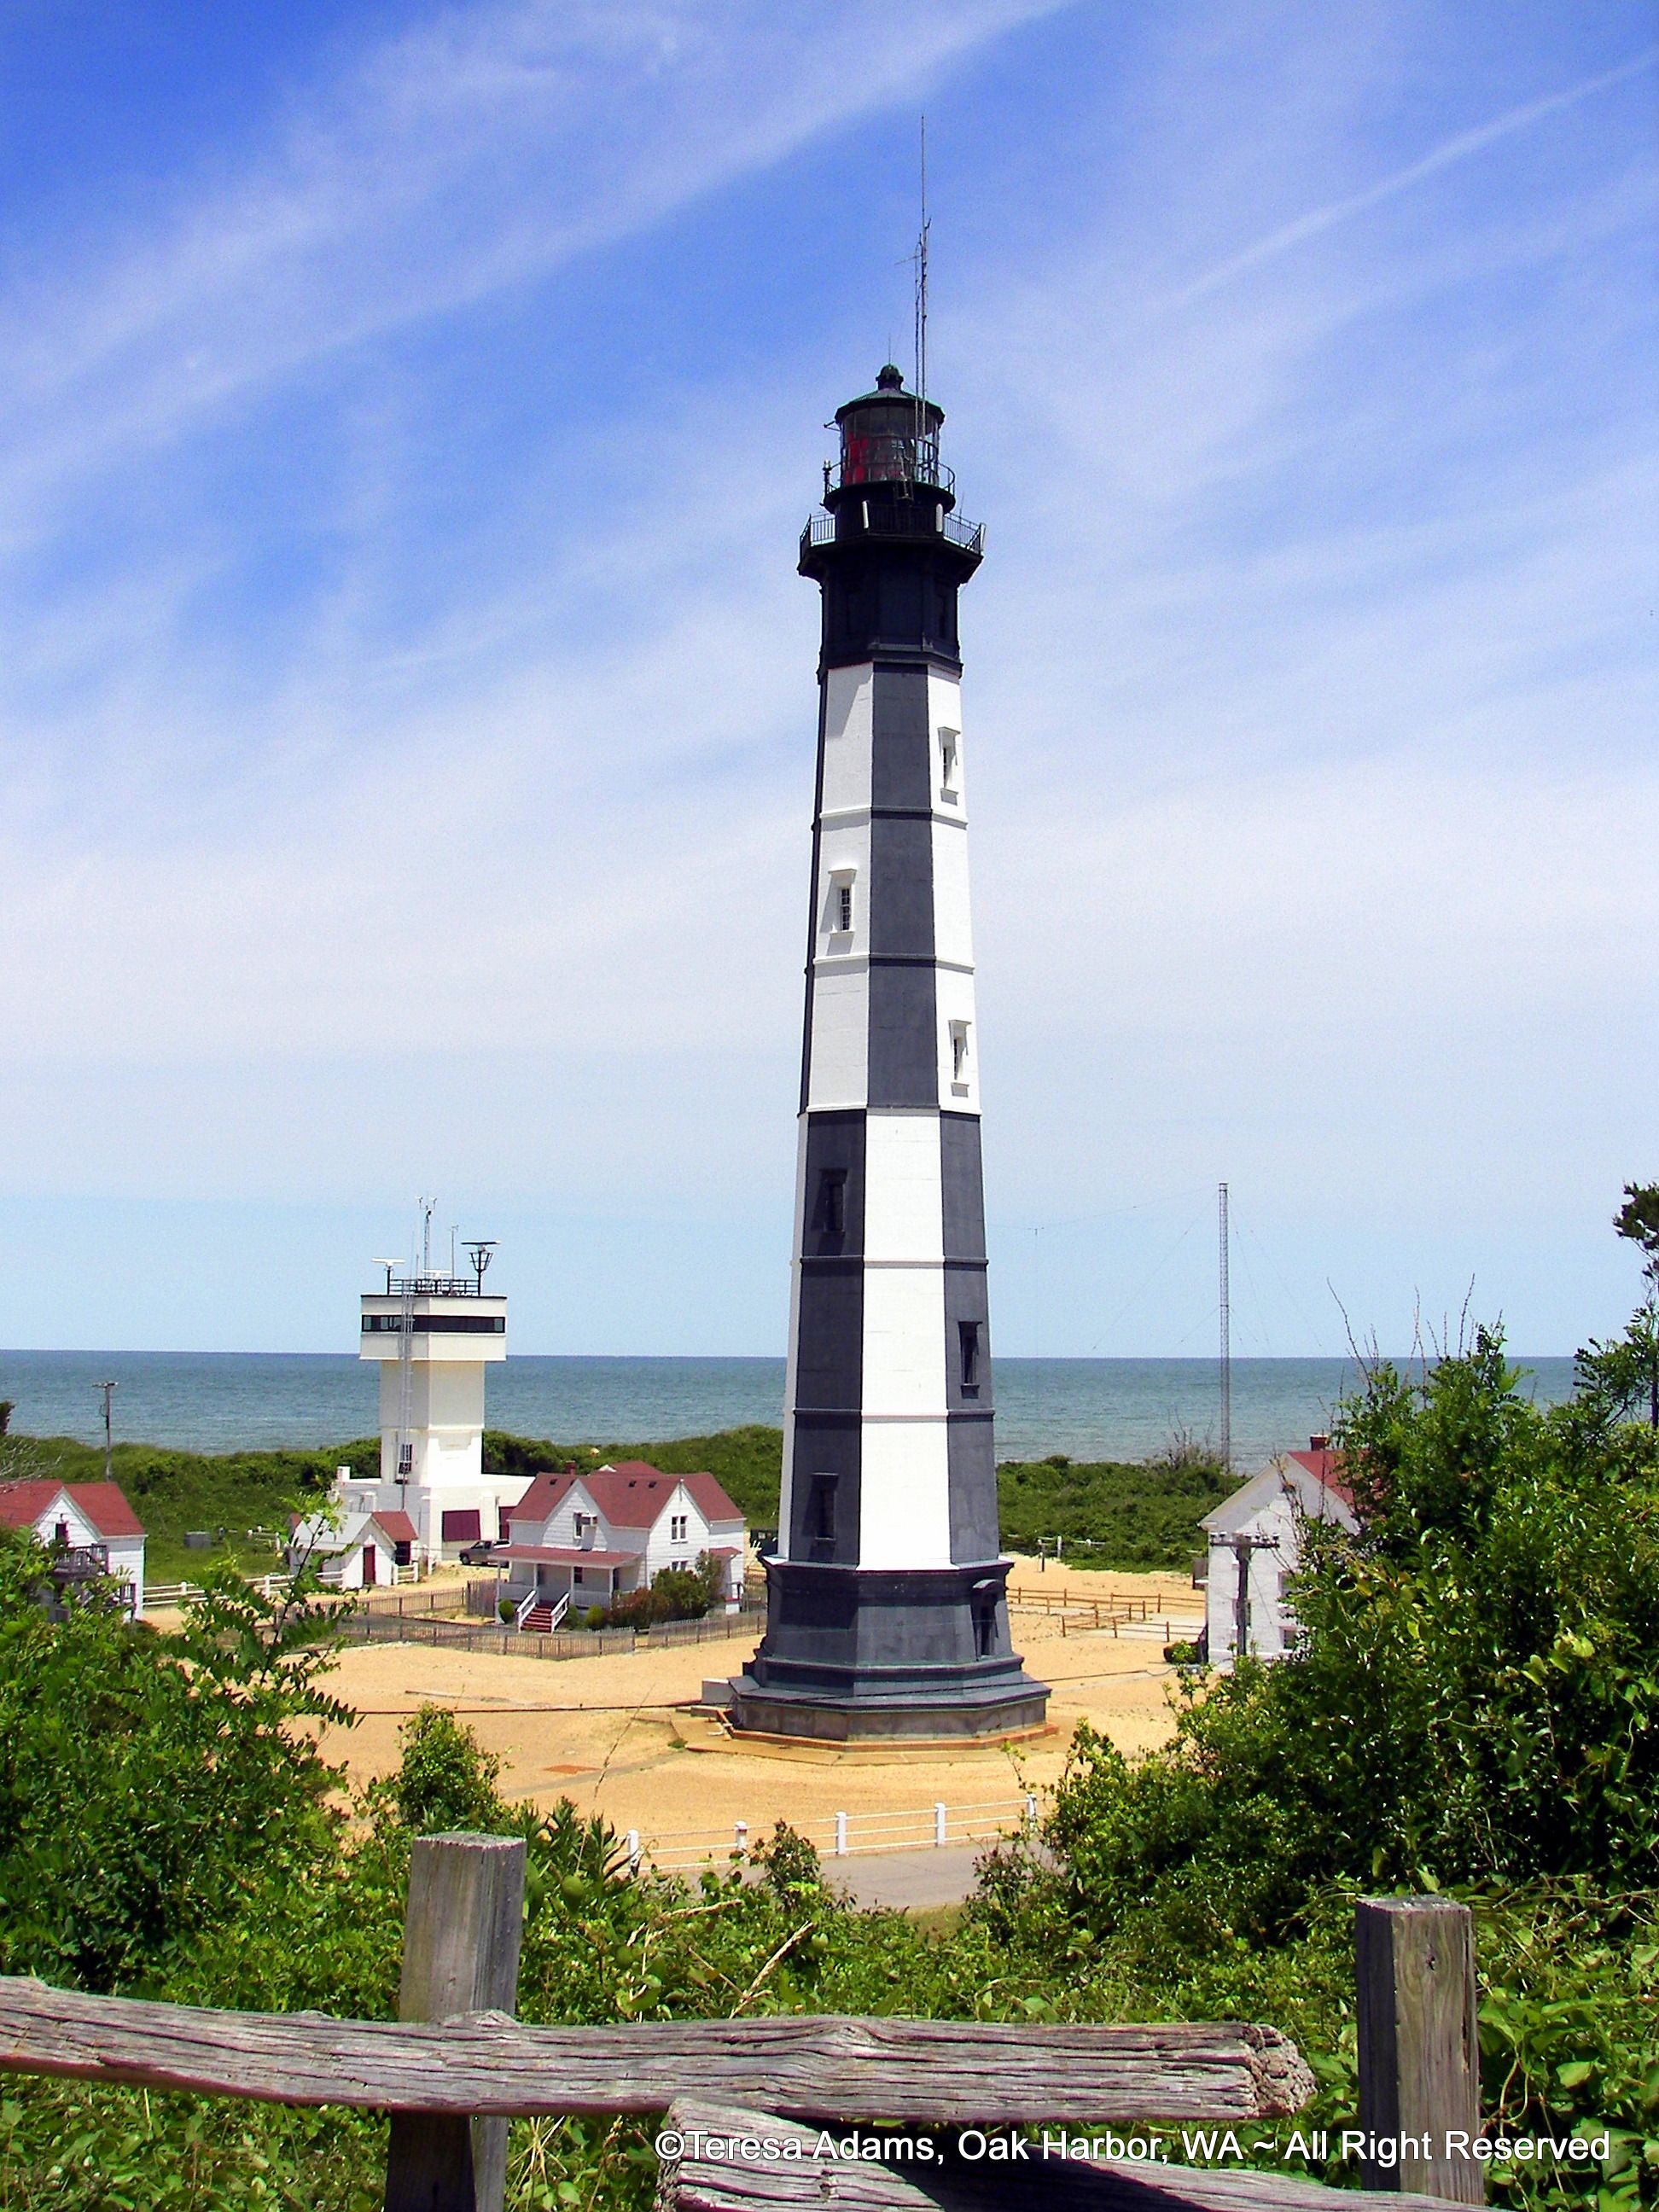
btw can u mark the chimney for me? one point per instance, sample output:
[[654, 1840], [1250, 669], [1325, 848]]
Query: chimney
[[1319, 1443]]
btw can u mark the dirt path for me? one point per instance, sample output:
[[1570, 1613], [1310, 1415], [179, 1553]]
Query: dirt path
[[613, 1734]]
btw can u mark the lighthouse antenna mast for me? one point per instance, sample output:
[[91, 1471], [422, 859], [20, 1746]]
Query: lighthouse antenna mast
[[921, 305]]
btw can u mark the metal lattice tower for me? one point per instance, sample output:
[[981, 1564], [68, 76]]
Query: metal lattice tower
[[1226, 1336]]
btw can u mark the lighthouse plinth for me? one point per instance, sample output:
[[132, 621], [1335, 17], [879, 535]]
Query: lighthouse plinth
[[887, 1595]]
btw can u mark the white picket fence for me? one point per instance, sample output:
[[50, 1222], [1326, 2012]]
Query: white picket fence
[[842, 1835], [165, 1593]]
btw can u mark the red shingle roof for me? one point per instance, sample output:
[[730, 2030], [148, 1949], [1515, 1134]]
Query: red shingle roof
[[630, 1493], [399, 1528], [103, 1503], [1326, 1467]]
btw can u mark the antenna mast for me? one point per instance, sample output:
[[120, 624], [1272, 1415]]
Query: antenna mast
[[1226, 1338], [921, 304]]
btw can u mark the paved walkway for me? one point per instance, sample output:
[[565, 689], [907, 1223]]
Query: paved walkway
[[914, 1880]]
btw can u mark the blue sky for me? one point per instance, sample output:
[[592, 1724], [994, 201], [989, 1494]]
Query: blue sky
[[406, 697]]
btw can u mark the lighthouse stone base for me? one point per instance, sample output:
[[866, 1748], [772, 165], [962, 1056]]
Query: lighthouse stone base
[[855, 1653]]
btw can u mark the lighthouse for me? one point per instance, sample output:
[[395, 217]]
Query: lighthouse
[[887, 1609]]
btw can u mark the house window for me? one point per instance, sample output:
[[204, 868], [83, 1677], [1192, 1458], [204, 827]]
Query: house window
[[948, 743], [967, 1357], [832, 1202], [821, 1515], [577, 1574], [677, 1528], [960, 1055], [60, 1534]]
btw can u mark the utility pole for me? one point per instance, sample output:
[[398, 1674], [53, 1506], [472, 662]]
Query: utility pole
[[1242, 1548], [108, 1388], [1226, 1342]]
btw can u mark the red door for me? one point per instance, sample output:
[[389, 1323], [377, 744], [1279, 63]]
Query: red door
[[368, 1564]]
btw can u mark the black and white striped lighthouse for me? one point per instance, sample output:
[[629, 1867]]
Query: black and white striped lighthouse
[[887, 1610]]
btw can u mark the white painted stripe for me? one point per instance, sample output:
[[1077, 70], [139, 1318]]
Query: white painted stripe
[[953, 933], [787, 1491], [839, 1070], [904, 1495], [848, 697], [903, 1339], [955, 1002], [903, 1201]]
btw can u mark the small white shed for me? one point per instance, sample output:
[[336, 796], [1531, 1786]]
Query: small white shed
[[1255, 1547], [358, 1550]]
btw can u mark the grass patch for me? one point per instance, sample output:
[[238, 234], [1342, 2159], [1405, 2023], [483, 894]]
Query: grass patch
[[1134, 1513]]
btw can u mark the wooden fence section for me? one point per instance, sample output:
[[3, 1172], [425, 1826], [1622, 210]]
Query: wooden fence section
[[1159, 1613], [449, 2082], [825, 2066], [384, 1623]]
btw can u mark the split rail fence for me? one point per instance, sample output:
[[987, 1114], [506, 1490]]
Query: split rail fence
[[1157, 1613], [455, 2067]]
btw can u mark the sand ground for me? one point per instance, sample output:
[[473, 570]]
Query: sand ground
[[613, 1735]]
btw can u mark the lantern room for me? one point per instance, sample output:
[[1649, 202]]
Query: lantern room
[[888, 436]]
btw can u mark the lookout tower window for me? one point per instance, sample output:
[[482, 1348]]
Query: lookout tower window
[[948, 742]]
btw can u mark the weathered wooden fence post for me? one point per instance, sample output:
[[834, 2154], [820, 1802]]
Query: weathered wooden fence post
[[1420, 2050], [463, 1927]]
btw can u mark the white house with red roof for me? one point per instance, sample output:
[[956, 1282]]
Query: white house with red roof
[[89, 1525], [356, 1544], [589, 1536], [1255, 1547]]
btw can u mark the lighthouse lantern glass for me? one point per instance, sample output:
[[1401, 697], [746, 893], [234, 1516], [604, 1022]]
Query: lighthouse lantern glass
[[884, 440]]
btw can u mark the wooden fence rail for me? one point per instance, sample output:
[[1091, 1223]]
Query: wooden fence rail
[[822, 2066], [454, 2067]]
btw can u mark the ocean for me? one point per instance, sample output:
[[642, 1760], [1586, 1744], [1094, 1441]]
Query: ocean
[[1088, 1409]]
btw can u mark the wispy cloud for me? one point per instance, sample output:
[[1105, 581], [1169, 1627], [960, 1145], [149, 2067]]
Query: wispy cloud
[[468, 156], [1461, 147]]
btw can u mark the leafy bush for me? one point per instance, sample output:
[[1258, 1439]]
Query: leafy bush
[[147, 1784]]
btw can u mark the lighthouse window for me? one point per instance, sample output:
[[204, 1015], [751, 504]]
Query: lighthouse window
[[968, 1352], [838, 907], [822, 1514], [960, 1055], [948, 742], [832, 1202]]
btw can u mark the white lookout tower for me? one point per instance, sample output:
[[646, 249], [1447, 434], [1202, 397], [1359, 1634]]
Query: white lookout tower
[[434, 1335]]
